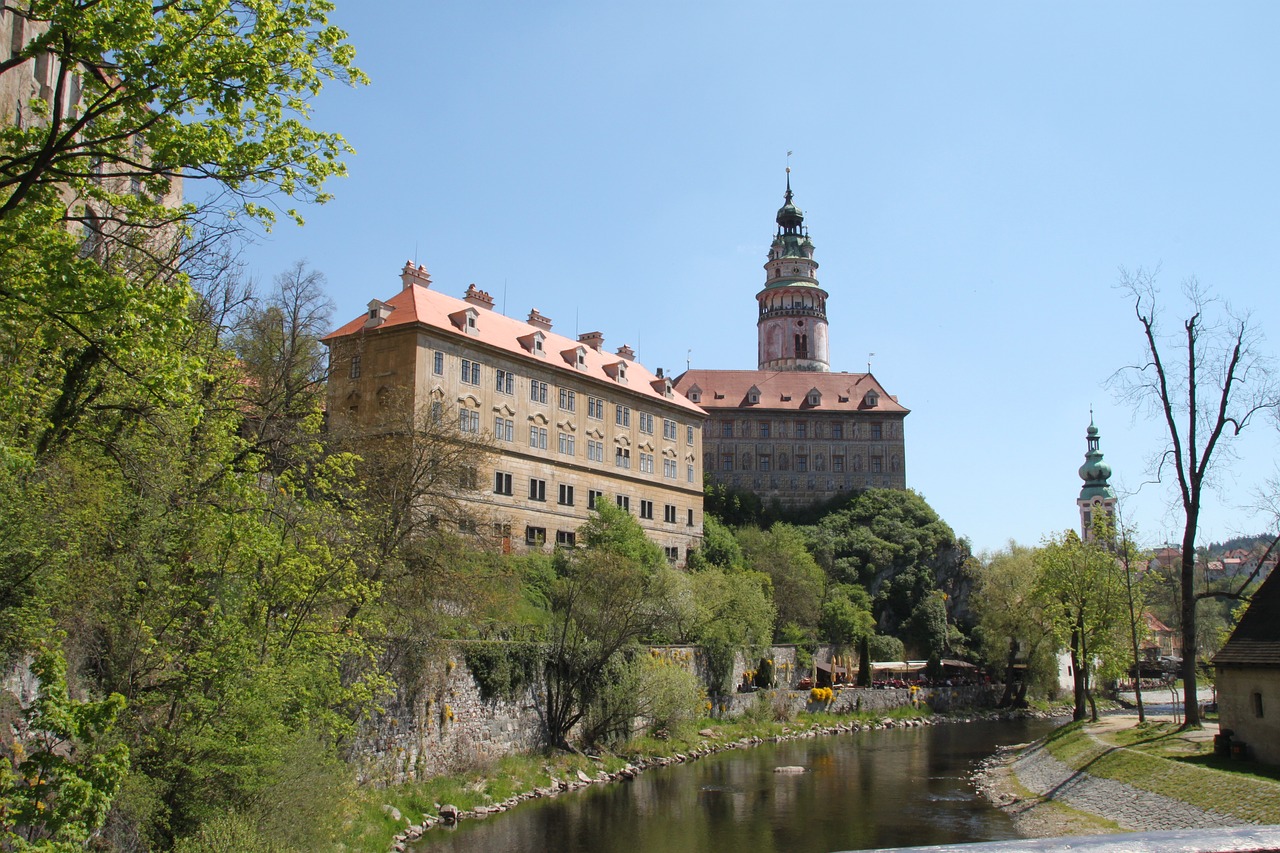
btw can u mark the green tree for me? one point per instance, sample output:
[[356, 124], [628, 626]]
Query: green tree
[[1013, 629], [1081, 591], [734, 616], [797, 581], [609, 594]]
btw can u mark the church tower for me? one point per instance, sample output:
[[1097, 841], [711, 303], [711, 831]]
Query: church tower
[[792, 326], [1096, 495]]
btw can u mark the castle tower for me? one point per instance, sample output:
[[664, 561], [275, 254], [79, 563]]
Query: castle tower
[[792, 326], [1096, 495]]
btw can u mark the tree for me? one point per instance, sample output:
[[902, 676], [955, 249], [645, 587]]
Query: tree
[[1013, 628], [734, 616], [1079, 588], [1206, 383], [796, 578], [609, 594]]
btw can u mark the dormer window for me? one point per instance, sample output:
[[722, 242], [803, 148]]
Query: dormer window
[[533, 343], [695, 394], [814, 398], [753, 395], [872, 399], [378, 312], [466, 320]]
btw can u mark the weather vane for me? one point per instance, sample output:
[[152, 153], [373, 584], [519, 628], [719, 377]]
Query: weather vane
[[788, 162], [870, 356]]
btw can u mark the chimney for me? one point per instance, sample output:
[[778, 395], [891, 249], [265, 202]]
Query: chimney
[[595, 340], [476, 296], [659, 373], [627, 352], [414, 274], [538, 321]]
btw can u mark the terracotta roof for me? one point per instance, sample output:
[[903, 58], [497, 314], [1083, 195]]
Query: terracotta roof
[[787, 390], [418, 305], [1155, 625], [1256, 640]]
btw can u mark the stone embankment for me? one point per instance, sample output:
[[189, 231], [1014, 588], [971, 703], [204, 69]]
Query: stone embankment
[[1109, 801], [447, 814]]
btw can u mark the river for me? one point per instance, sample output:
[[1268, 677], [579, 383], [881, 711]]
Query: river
[[893, 788]]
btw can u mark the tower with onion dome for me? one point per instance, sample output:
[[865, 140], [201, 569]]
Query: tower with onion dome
[[792, 325], [1096, 496]]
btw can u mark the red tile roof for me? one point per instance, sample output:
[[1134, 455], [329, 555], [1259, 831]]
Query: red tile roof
[[788, 390], [418, 305]]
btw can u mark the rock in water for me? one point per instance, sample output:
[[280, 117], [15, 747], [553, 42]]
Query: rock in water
[[790, 768]]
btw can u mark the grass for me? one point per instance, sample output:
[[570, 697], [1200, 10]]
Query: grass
[[1164, 760], [370, 829]]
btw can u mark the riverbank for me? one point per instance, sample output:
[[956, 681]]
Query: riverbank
[[395, 818], [1114, 776]]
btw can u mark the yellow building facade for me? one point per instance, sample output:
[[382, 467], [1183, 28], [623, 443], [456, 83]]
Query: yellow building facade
[[566, 422]]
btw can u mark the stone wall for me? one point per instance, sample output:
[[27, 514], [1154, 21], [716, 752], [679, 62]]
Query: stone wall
[[442, 723]]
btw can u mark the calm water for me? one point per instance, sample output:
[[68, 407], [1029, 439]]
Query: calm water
[[874, 789]]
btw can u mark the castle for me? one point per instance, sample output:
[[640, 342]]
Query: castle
[[792, 431], [564, 422]]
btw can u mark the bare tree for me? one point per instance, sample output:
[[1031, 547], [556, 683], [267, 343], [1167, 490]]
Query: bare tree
[[1206, 382]]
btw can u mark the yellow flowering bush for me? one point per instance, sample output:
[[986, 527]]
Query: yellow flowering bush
[[821, 694]]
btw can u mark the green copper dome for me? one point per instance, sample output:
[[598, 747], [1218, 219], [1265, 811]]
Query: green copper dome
[[1094, 471]]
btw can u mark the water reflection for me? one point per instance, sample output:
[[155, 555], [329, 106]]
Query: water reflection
[[874, 789]]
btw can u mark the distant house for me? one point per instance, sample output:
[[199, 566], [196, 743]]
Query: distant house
[[1162, 641], [1249, 675]]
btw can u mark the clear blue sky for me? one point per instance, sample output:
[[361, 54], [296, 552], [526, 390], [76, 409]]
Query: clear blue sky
[[973, 177]]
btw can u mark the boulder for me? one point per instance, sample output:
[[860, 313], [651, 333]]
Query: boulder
[[391, 812], [449, 813], [789, 768]]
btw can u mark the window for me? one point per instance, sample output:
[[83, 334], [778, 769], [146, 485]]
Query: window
[[764, 429], [437, 411], [802, 429], [672, 552], [437, 364], [565, 538], [624, 502], [622, 416], [355, 367], [837, 464], [568, 400], [535, 536], [690, 521], [646, 423], [877, 464], [538, 437], [669, 469], [688, 435], [595, 408], [1257, 705], [470, 372], [567, 443], [837, 431], [876, 432], [566, 495], [504, 429], [537, 489], [689, 472], [646, 463], [802, 463], [467, 478], [501, 483], [669, 514], [726, 429], [504, 381], [669, 429], [595, 450], [646, 509], [593, 495], [765, 461], [622, 458], [468, 420], [537, 391], [726, 461]]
